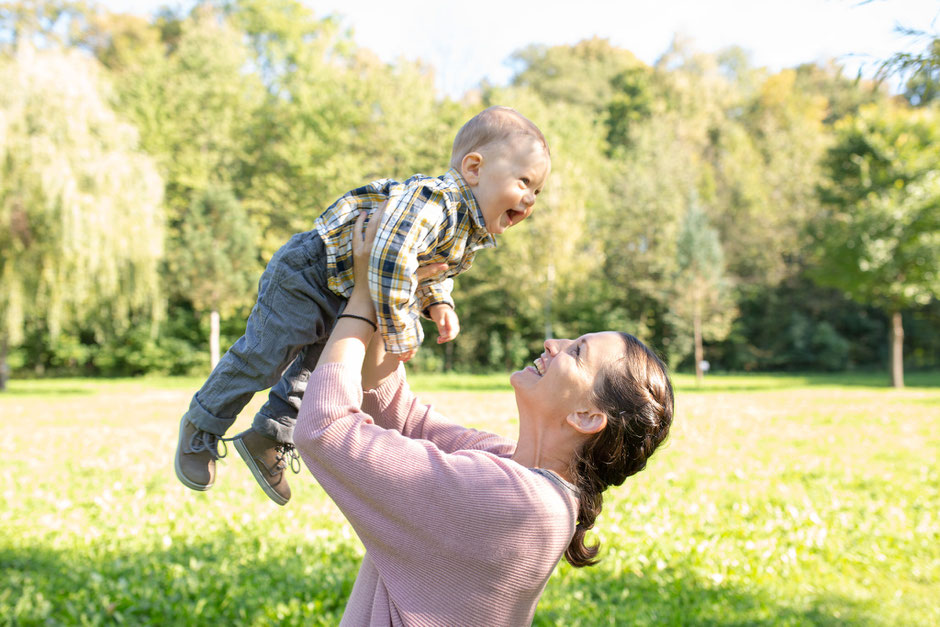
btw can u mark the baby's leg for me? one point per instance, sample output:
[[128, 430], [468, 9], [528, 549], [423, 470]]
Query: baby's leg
[[294, 309], [306, 310], [276, 419], [291, 312]]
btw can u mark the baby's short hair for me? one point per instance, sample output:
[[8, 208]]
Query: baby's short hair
[[494, 125]]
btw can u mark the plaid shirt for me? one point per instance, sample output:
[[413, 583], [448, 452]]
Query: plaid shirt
[[428, 220]]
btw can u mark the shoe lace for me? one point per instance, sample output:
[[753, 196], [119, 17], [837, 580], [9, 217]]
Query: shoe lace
[[205, 441], [289, 453]]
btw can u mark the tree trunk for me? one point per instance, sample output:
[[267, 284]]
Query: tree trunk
[[449, 356], [699, 349], [3, 362], [897, 350], [549, 295], [214, 337]]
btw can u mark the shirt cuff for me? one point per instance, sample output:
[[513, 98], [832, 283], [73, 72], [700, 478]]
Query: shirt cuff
[[426, 312]]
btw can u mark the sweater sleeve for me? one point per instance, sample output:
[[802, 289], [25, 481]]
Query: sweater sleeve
[[392, 405], [430, 520]]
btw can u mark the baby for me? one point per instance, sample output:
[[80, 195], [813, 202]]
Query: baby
[[430, 232]]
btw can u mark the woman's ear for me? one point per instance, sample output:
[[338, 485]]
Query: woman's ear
[[470, 167], [588, 422]]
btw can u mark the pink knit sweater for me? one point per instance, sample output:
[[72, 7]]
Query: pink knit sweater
[[455, 532]]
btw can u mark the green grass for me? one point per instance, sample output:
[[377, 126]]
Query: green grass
[[778, 500]]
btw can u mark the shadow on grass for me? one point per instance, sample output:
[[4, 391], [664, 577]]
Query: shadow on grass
[[676, 597], [240, 581], [228, 581]]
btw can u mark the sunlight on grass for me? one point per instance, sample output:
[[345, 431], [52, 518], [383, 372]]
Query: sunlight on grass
[[776, 501]]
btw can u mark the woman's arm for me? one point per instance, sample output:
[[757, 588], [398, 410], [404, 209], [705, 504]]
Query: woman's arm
[[429, 519], [355, 326], [389, 400]]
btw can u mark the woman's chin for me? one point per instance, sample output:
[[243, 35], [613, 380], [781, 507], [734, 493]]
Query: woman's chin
[[525, 377]]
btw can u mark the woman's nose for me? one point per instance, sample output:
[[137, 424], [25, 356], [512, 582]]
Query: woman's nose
[[554, 346]]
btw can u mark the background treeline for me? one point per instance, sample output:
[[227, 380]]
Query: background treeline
[[760, 220]]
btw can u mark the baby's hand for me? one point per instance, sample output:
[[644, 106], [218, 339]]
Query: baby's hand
[[403, 357], [430, 270], [448, 325]]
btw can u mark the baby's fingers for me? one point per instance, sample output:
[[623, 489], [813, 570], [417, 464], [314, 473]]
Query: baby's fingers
[[403, 357], [447, 330]]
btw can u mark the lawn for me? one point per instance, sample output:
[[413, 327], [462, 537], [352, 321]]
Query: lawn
[[777, 500]]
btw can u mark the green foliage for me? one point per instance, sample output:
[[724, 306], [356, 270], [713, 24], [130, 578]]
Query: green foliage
[[798, 325], [808, 502], [46, 23], [277, 104], [701, 291], [585, 74], [216, 267], [191, 99], [923, 86], [880, 239], [71, 251]]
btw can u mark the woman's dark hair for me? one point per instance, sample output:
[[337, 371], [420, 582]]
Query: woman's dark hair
[[636, 394]]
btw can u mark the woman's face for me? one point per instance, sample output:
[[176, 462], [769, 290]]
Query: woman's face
[[562, 378]]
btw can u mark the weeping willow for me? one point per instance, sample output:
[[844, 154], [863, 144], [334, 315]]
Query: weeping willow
[[81, 223]]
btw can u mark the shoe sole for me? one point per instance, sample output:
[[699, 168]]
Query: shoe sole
[[253, 467], [179, 471]]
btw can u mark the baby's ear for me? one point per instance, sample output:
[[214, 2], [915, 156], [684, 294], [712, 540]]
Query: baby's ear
[[470, 167]]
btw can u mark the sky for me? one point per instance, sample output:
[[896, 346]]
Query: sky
[[467, 42]]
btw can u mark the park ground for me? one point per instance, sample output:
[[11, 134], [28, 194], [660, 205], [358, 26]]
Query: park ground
[[778, 500]]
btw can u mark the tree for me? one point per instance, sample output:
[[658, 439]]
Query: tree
[[879, 236], [766, 166], [923, 86], [183, 82], [216, 266], [42, 23], [516, 294], [700, 287], [582, 74], [303, 143], [921, 70], [81, 225]]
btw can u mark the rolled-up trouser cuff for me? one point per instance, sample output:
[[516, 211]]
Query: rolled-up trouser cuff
[[202, 419], [275, 429]]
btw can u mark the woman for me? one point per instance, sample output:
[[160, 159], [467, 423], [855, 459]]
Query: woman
[[463, 527]]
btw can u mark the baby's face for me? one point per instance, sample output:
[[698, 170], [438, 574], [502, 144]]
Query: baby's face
[[506, 182]]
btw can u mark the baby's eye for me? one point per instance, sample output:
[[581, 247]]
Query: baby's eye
[[525, 180]]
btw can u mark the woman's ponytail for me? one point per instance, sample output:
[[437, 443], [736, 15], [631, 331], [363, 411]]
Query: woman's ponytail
[[636, 395]]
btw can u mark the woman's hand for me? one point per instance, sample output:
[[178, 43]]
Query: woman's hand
[[355, 327], [362, 240]]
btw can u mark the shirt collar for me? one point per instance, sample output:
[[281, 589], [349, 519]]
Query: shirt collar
[[475, 213]]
